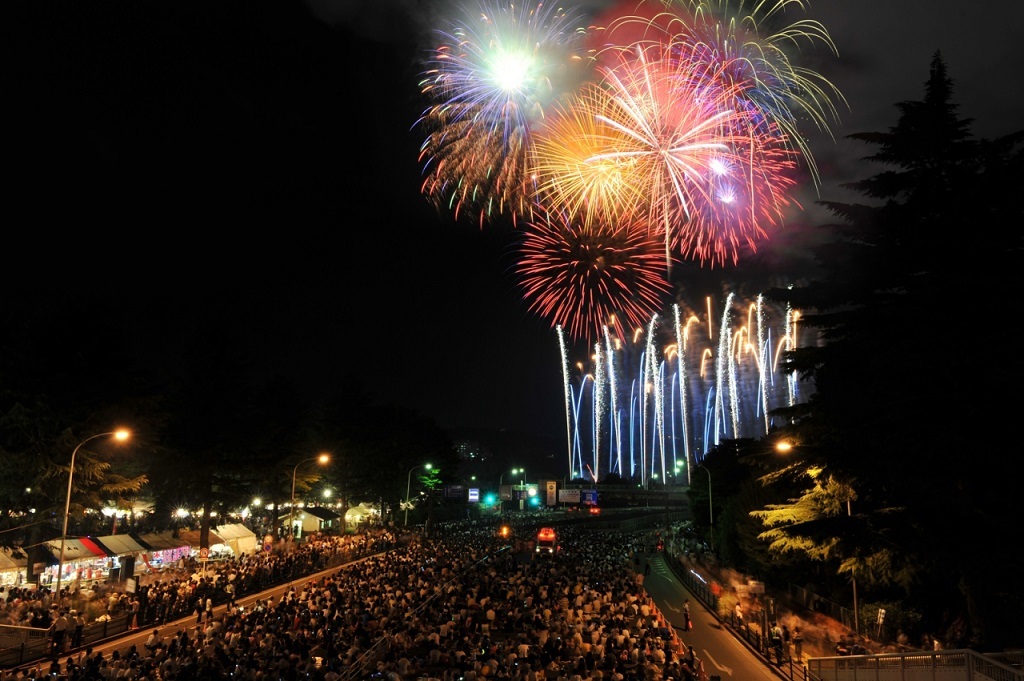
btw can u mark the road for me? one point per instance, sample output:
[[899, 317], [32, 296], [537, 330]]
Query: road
[[723, 654]]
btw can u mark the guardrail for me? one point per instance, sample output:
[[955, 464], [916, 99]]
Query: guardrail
[[941, 665], [35, 644]]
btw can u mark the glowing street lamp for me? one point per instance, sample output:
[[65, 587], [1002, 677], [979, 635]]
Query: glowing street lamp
[[408, 490], [501, 480], [322, 459], [120, 435], [785, 447]]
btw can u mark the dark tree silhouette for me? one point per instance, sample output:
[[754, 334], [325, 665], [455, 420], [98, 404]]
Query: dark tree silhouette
[[912, 393]]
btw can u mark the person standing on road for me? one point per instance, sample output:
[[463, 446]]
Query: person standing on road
[[153, 642], [798, 644], [79, 620], [60, 630], [776, 641]]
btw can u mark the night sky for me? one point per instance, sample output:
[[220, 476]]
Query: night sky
[[258, 160]]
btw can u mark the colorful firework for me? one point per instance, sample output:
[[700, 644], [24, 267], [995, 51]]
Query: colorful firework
[[648, 140], [490, 80], [570, 166], [744, 199], [680, 126], [581, 277], [655, 404], [726, 36]]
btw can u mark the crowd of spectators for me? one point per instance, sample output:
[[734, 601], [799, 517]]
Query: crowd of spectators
[[462, 603]]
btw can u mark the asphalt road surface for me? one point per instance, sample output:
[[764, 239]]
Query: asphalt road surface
[[723, 654]]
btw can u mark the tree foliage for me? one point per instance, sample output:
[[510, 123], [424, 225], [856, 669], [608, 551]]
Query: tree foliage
[[906, 401]]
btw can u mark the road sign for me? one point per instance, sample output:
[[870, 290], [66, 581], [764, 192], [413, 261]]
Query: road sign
[[204, 553]]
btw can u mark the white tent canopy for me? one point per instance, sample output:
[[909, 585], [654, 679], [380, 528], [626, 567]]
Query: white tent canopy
[[239, 537]]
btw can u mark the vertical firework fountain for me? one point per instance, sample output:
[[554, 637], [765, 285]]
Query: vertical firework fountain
[[651, 408]]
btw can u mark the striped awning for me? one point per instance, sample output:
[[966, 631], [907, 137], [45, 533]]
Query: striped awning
[[75, 549], [96, 547], [159, 541], [119, 544]]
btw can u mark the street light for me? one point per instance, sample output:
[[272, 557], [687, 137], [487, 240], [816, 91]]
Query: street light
[[501, 480], [121, 435], [784, 447], [711, 508], [323, 459], [408, 490]]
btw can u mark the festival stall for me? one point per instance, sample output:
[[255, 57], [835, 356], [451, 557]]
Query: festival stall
[[239, 538], [312, 519], [84, 561], [13, 566], [163, 549]]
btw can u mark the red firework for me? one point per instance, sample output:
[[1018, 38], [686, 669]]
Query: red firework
[[584, 277]]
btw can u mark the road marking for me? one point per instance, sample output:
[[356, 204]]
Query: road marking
[[721, 668]]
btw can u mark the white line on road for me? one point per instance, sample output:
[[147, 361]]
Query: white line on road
[[721, 668]]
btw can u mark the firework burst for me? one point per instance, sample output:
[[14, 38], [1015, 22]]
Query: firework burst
[[490, 80], [674, 124], [732, 38], [573, 169], [646, 141], [583, 276]]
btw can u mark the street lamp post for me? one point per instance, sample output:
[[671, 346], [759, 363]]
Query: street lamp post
[[501, 481], [323, 458], [711, 508], [408, 490], [853, 582], [120, 435], [784, 447]]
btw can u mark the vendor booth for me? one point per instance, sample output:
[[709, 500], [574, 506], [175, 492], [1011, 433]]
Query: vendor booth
[[361, 516], [84, 561], [312, 519], [239, 538], [13, 566], [163, 549]]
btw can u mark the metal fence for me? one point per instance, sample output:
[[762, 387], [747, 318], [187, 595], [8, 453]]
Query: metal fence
[[943, 665], [35, 644]]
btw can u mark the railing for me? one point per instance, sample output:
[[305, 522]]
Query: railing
[[943, 665], [35, 643], [940, 665], [816, 603], [32, 649]]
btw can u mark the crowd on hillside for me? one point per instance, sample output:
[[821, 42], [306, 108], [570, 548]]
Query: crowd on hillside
[[462, 603]]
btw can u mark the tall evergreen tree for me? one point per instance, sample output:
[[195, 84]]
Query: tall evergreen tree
[[911, 390]]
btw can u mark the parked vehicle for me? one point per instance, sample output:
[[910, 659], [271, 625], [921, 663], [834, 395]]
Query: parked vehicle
[[547, 541]]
